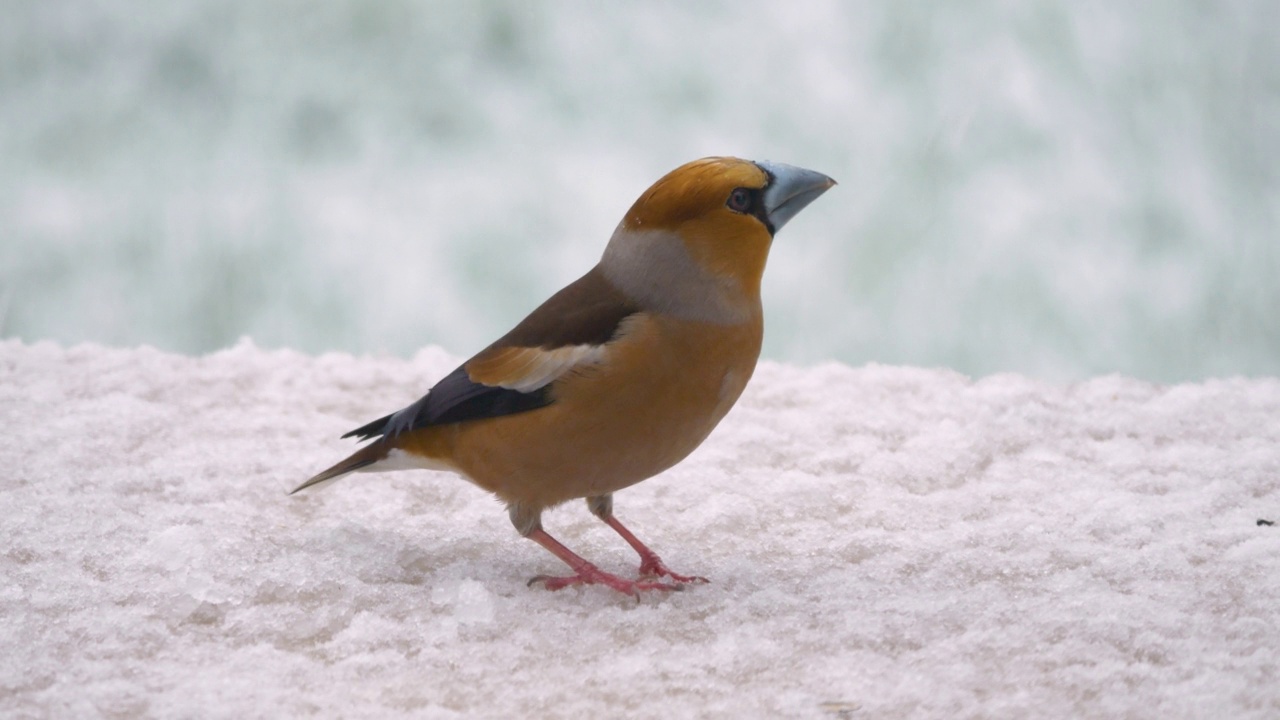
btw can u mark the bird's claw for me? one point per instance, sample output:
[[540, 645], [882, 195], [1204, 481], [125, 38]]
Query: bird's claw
[[599, 577], [651, 566]]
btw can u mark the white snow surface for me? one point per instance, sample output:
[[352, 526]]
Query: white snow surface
[[881, 542]]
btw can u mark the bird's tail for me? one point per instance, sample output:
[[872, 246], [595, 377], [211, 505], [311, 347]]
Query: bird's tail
[[360, 459]]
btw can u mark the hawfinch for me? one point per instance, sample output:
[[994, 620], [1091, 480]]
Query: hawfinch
[[618, 376]]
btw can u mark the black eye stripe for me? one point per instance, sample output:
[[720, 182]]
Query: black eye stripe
[[750, 201]]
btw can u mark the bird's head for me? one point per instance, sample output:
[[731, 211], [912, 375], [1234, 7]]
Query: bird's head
[[695, 244]]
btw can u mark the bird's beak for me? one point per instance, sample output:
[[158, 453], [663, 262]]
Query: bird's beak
[[791, 190]]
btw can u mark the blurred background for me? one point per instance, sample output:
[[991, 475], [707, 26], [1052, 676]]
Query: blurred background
[[1061, 189]]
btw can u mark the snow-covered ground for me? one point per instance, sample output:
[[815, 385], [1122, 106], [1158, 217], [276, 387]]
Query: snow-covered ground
[[881, 541]]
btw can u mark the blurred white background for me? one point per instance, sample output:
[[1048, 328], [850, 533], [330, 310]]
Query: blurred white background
[[1056, 188]]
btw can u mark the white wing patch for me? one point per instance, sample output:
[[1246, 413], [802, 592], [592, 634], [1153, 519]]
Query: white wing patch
[[543, 366], [527, 369]]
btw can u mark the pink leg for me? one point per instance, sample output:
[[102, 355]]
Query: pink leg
[[650, 564], [588, 574]]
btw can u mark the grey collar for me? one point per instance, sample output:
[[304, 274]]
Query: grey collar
[[653, 268]]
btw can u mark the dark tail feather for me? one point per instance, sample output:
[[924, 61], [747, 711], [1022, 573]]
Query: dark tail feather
[[373, 429], [362, 458]]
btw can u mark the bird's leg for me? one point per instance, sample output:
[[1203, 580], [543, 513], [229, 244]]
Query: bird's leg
[[529, 524], [585, 573], [650, 564]]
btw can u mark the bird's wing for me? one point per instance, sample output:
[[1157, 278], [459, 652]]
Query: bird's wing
[[567, 332]]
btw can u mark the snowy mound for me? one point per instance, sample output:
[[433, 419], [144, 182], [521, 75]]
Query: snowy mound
[[881, 542]]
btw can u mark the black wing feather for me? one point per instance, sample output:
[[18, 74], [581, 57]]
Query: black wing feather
[[455, 399], [588, 311]]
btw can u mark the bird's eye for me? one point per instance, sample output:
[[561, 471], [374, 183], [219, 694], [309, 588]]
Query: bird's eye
[[739, 200]]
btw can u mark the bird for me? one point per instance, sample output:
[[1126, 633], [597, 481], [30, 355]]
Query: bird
[[618, 376]]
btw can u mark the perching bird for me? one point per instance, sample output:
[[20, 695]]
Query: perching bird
[[618, 376]]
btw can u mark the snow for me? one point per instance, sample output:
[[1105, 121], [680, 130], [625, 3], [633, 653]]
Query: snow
[[881, 541]]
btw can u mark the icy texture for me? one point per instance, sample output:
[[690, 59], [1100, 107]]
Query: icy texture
[[881, 541]]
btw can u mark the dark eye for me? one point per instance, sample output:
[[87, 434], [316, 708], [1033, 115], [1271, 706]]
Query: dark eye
[[739, 200]]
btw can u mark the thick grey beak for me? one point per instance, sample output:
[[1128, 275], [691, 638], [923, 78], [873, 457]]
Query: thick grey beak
[[792, 189]]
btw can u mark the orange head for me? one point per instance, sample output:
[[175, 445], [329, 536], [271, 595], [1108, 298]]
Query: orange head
[[695, 244]]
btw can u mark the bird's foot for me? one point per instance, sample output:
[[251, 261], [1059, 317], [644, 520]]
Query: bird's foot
[[591, 575], [651, 566], [588, 574]]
